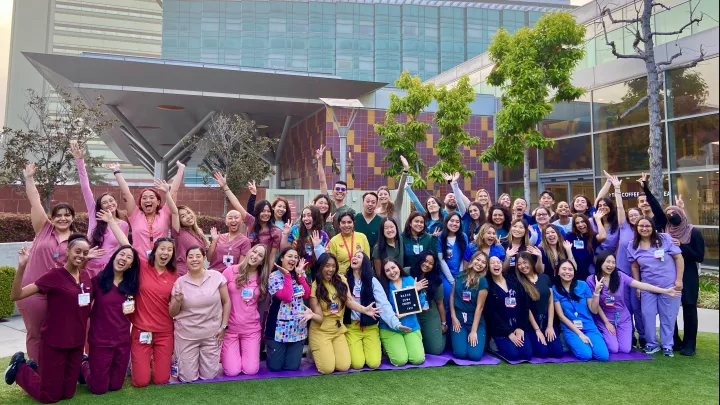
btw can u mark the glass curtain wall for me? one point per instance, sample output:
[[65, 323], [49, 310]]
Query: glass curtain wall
[[589, 138]]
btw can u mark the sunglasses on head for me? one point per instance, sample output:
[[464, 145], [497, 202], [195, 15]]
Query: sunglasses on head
[[340, 189]]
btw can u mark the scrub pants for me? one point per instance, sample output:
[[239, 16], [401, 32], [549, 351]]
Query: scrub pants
[[636, 310], [364, 345], [462, 349], [33, 311], [621, 341], [106, 369], [159, 351], [284, 355], [402, 347], [584, 351], [58, 374], [431, 327], [197, 358], [667, 307], [690, 327], [510, 352], [447, 292], [552, 349], [329, 346], [240, 353]]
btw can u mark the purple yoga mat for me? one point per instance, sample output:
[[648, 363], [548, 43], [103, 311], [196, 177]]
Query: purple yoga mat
[[308, 369], [569, 358]]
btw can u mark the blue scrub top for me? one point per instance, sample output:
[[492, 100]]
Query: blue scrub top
[[410, 321], [454, 261], [577, 310], [468, 307], [495, 251]]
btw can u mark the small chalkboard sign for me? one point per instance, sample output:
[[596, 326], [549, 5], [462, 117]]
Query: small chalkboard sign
[[406, 301]]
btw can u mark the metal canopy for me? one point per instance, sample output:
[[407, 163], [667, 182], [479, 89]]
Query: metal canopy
[[162, 101]]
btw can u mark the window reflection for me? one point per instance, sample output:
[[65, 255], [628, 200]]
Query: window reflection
[[694, 90], [610, 102], [516, 173], [695, 142], [567, 154], [624, 151], [700, 193], [568, 119]]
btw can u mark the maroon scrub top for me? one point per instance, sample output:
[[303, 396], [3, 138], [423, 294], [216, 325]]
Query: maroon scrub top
[[66, 321], [109, 327]]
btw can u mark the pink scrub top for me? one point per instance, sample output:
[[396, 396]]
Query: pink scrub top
[[237, 247], [140, 231], [200, 313], [270, 237], [183, 241], [244, 316]]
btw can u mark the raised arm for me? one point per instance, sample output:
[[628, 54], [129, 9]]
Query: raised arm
[[164, 189], [413, 198], [400, 195], [37, 212], [253, 196], [462, 200], [17, 291], [319, 157], [601, 234], [114, 227], [128, 198], [178, 181], [605, 188], [222, 182], [616, 182], [78, 153], [657, 209]]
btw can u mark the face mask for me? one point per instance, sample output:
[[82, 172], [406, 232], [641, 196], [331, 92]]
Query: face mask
[[675, 219]]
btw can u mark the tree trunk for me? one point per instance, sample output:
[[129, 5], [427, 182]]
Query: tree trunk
[[653, 88], [526, 176]]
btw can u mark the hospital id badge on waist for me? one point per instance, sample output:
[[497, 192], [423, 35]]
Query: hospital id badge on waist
[[659, 254], [228, 260], [578, 244], [247, 294], [417, 249], [83, 299], [334, 307], [510, 302], [128, 306], [145, 338], [298, 291], [578, 324], [356, 291]]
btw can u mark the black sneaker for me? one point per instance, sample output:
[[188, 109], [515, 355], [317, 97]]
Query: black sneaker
[[642, 343], [651, 349], [81, 377], [686, 351], [17, 360], [668, 352], [33, 365]]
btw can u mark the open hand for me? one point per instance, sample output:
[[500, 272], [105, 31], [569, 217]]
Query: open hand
[[307, 314], [585, 339], [283, 270], [23, 255], [162, 186], [550, 334], [421, 285], [371, 311], [29, 171], [104, 215], [610, 328], [220, 179], [404, 162], [473, 339], [316, 238], [113, 167], [95, 252], [214, 234], [76, 150], [456, 325]]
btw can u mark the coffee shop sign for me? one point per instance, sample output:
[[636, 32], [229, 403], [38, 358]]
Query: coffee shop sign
[[634, 194]]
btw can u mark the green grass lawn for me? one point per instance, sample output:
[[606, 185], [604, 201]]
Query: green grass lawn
[[664, 380]]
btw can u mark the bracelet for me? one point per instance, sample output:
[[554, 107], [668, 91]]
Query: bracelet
[[226, 189], [116, 172]]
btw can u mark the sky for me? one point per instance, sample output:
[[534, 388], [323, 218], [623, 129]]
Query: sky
[[5, 25]]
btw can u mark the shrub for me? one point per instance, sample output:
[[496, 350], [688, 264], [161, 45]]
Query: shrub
[[709, 296], [7, 307]]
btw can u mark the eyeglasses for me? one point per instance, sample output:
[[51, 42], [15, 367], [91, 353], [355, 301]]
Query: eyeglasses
[[645, 226], [541, 215], [340, 189]]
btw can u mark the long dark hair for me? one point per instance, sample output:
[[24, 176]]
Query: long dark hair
[[327, 198], [69, 208], [590, 232], [587, 203], [321, 291], [558, 283], [408, 224], [98, 234], [304, 234], [433, 276], [286, 215], [280, 257], [151, 260], [382, 243], [654, 237], [367, 273], [612, 217], [258, 225], [129, 283], [480, 221], [459, 235], [384, 280], [527, 285], [508, 218], [427, 212], [614, 276]]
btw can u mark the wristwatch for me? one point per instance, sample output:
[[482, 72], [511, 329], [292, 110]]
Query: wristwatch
[[223, 326], [444, 324]]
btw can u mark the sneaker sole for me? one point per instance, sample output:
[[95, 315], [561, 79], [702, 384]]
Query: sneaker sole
[[653, 351], [5, 374]]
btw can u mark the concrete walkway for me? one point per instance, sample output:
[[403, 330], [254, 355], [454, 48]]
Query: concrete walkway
[[12, 332]]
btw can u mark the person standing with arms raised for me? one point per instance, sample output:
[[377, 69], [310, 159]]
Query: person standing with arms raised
[[340, 189]]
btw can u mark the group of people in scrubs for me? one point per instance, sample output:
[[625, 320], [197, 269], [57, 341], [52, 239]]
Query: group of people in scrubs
[[137, 290]]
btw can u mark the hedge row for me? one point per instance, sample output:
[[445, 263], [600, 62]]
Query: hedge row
[[18, 227], [7, 307]]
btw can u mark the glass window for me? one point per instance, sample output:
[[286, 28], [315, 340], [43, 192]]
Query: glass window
[[700, 193], [516, 173], [630, 190], [709, 10], [694, 90], [568, 119], [695, 142], [610, 102], [567, 154], [624, 151], [516, 190]]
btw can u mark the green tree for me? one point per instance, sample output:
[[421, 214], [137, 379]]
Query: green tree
[[534, 69], [51, 125], [452, 113], [400, 138]]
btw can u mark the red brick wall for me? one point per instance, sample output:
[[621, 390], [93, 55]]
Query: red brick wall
[[203, 200]]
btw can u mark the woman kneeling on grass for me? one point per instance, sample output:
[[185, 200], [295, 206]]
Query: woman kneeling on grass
[[329, 298], [467, 301], [574, 305], [401, 337]]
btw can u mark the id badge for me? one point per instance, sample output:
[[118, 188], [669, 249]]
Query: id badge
[[578, 244], [356, 291], [247, 294], [56, 255], [578, 323], [610, 301], [417, 249], [83, 299], [510, 302], [148, 253], [464, 316], [448, 253], [228, 260], [145, 338], [358, 248], [128, 306], [659, 253], [512, 261], [334, 307], [308, 250], [466, 295], [298, 291]]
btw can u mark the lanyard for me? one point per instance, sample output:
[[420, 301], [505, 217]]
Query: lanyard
[[150, 226], [572, 304], [352, 243]]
